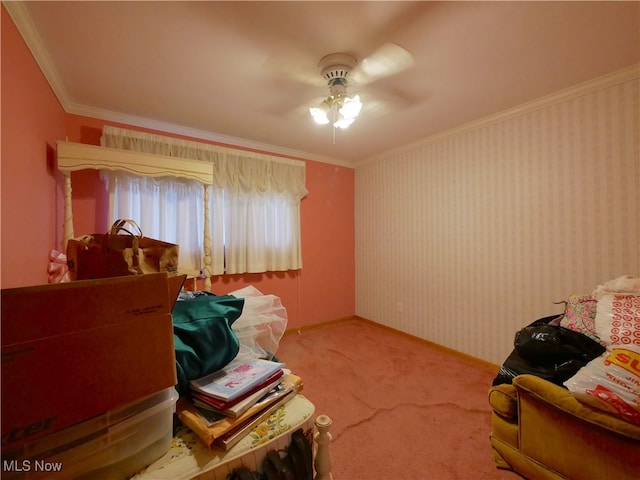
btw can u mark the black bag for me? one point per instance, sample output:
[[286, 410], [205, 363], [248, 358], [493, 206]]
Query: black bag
[[301, 455], [548, 351], [278, 466], [296, 463], [546, 345], [243, 473]]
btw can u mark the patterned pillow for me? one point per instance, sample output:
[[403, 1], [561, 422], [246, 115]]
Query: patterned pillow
[[580, 315], [618, 320]]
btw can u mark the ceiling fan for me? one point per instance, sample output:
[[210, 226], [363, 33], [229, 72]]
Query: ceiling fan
[[342, 70], [343, 74]]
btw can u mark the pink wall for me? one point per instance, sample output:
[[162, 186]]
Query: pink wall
[[32, 119]]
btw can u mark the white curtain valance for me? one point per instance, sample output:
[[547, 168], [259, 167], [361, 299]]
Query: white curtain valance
[[237, 170], [251, 206]]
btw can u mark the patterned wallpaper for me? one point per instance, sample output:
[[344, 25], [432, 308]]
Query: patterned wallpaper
[[465, 237]]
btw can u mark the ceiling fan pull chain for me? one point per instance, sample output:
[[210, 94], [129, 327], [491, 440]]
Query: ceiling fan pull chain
[[333, 124]]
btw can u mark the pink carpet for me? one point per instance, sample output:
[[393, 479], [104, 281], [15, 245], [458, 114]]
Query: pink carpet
[[401, 409]]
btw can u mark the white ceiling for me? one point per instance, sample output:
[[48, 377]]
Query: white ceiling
[[230, 71]]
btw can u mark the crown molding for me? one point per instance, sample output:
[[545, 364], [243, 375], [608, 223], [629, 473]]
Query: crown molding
[[194, 133], [21, 18], [605, 81]]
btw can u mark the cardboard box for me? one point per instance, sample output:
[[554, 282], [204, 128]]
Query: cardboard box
[[74, 350]]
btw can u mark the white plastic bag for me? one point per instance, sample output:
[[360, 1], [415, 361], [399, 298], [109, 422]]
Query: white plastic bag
[[611, 382], [261, 325], [617, 320]]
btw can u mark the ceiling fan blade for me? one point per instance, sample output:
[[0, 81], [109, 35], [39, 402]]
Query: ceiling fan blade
[[377, 107], [378, 102], [283, 70], [387, 60]]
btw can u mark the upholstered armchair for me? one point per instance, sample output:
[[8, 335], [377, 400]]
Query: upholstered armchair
[[541, 431]]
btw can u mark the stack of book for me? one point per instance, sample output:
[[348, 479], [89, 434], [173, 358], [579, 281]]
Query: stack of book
[[227, 404]]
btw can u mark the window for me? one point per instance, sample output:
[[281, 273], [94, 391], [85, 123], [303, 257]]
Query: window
[[248, 220], [166, 208]]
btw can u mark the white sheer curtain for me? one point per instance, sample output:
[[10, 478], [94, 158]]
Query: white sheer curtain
[[261, 213], [167, 208], [251, 222]]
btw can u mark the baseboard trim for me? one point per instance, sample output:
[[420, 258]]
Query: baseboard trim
[[315, 326], [449, 351]]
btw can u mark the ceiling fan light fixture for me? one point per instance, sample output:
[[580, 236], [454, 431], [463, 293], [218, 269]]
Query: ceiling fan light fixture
[[351, 107], [320, 114], [343, 122], [341, 108]]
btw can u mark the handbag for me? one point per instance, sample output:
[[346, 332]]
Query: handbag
[[203, 336], [124, 250]]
